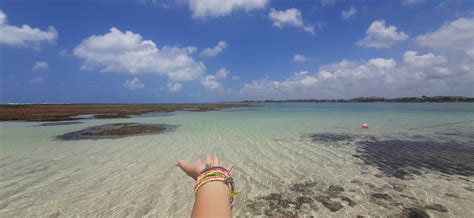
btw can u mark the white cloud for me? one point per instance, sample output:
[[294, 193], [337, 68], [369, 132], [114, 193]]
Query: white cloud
[[426, 74], [447, 70], [429, 65], [327, 2], [212, 52], [413, 59], [235, 77], [300, 83], [299, 58], [174, 87], [381, 36], [412, 2], [40, 66], [454, 41], [191, 49], [218, 8], [24, 35], [352, 11], [210, 82], [290, 17], [127, 52], [456, 35], [222, 73], [382, 63], [133, 84]]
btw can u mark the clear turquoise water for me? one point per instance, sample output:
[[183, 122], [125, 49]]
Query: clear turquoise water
[[133, 176]]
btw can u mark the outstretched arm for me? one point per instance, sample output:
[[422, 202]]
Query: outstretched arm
[[212, 198]]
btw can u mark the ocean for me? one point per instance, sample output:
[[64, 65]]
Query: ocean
[[290, 159]]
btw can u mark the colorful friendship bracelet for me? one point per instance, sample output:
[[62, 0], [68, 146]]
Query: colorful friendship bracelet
[[214, 168], [210, 179], [216, 173], [202, 180], [213, 173]]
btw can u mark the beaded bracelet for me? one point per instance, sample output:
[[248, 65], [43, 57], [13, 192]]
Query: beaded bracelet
[[216, 173], [215, 168], [213, 173]]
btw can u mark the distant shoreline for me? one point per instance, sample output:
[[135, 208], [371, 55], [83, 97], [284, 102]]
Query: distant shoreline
[[63, 112], [422, 99]]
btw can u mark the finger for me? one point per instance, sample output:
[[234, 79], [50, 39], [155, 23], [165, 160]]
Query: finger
[[183, 165], [216, 161], [208, 160]]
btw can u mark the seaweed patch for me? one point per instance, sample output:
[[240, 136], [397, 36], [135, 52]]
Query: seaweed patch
[[300, 199], [116, 130], [404, 158], [330, 137]]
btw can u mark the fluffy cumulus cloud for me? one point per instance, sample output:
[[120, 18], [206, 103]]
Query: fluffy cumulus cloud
[[174, 87], [382, 63], [381, 36], [218, 8], [413, 59], [346, 14], [299, 58], [210, 82], [222, 73], [128, 52], [40, 66], [428, 65], [133, 84], [298, 85], [289, 17], [213, 82], [24, 35], [212, 52], [416, 74], [456, 35], [454, 41]]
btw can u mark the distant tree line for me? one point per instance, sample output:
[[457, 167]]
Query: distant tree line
[[380, 99]]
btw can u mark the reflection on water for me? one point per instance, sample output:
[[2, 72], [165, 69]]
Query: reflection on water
[[289, 160]]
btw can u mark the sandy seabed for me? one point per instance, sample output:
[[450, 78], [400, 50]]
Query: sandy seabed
[[280, 168]]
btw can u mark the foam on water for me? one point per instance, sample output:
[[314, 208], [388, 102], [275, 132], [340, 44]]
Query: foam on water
[[269, 147]]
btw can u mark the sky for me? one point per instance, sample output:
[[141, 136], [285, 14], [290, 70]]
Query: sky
[[147, 51]]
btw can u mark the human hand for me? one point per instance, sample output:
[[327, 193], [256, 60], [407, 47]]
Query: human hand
[[193, 169]]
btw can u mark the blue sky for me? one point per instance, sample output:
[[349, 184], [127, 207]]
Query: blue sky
[[199, 51]]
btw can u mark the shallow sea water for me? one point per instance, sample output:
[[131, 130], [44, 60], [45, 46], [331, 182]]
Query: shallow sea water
[[270, 150]]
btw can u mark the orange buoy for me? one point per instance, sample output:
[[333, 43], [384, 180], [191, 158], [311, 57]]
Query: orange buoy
[[365, 126]]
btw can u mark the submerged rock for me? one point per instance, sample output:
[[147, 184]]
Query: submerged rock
[[299, 200], [330, 137], [384, 196], [333, 206], [414, 212], [348, 200], [437, 207], [117, 130]]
